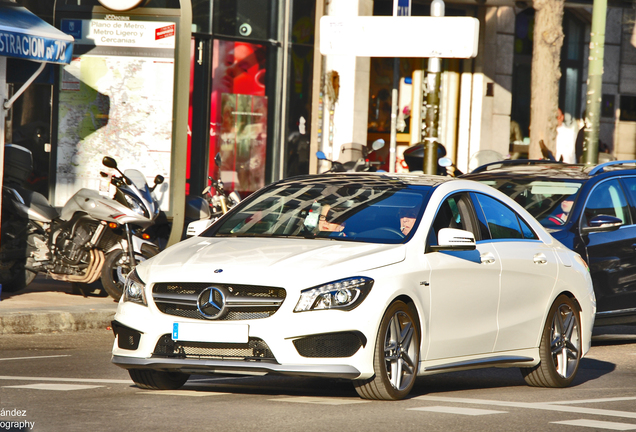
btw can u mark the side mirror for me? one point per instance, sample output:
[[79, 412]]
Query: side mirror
[[321, 156], [109, 162], [444, 162], [377, 144], [602, 223], [159, 179], [217, 160], [452, 239]]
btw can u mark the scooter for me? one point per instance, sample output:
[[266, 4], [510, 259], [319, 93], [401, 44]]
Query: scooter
[[219, 202], [93, 236], [359, 165]]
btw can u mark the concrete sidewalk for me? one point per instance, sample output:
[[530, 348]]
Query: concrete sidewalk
[[49, 306]]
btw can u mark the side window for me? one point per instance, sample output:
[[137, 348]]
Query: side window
[[448, 215], [629, 184], [607, 199], [528, 233], [502, 221], [454, 212]]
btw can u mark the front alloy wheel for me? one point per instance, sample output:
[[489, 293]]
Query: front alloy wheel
[[560, 348], [396, 356]]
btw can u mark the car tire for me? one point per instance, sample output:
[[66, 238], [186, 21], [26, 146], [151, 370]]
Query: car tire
[[560, 347], [396, 356], [158, 380]]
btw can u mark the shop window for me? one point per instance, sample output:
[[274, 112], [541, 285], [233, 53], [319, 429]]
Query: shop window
[[628, 108], [238, 115]]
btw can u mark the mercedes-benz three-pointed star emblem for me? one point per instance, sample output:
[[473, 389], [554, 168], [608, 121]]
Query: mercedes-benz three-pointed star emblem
[[211, 302]]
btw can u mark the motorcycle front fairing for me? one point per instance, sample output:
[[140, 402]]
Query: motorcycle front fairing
[[102, 208]]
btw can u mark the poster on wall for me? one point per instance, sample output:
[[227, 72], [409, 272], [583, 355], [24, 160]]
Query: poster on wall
[[238, 120], [115, 99]]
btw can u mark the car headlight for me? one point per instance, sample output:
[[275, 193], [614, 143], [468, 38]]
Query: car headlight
[[344, 294], [134, 289]]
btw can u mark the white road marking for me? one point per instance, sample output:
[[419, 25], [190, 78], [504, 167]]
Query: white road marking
[[181, 393], [81, 380], [587, 401], [537, 406], [455, 410], [58, 387], [598, 424], [320, 400], [35, 357]]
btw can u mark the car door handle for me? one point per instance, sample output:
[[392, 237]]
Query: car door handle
[[487, 258], [540, 259]]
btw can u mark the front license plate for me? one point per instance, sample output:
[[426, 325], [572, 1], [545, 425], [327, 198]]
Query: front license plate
[[195, 332]]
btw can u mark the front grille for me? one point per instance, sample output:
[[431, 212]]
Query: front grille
[[254, 350], [330, 345], [243, 302]]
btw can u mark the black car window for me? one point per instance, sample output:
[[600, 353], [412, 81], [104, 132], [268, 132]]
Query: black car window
[[502, 221], [606, 199]]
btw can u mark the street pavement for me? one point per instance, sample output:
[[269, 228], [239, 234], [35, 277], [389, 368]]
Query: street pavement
[[50, 306]]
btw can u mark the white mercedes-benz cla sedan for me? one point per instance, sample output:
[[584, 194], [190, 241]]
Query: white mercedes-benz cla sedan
[[376, 278]]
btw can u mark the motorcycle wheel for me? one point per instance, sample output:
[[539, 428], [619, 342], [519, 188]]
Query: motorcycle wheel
[[116, 268], [13, 275]]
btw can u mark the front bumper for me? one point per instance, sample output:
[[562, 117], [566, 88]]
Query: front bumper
[[331, 344], [192, 366]]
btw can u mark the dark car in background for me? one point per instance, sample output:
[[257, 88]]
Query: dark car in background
[[591, 210]]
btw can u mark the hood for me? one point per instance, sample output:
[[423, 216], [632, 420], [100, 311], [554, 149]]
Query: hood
[[257, 260]]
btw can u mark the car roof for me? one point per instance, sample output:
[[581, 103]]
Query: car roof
[[549, 169], [377, 178]]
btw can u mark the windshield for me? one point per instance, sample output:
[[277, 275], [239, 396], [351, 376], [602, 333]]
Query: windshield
[[549, 200], [377, 213], [138, 179]]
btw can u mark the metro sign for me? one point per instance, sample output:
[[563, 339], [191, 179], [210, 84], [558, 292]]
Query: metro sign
[[387, 36]]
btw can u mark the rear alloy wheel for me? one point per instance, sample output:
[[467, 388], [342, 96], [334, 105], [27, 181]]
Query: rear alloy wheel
[[396, 356], [158, 380], [560, 348]]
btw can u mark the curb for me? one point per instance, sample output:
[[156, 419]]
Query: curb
[[54, 321]]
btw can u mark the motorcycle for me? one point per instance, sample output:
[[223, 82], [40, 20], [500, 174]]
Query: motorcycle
[[92, 237], [219, 202], [145, 226], [414, 158], [361, 164]]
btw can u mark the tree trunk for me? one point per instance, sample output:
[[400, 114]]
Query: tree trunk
[[546, 54]]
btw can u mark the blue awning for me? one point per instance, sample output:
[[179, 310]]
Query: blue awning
[[24, 35]]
